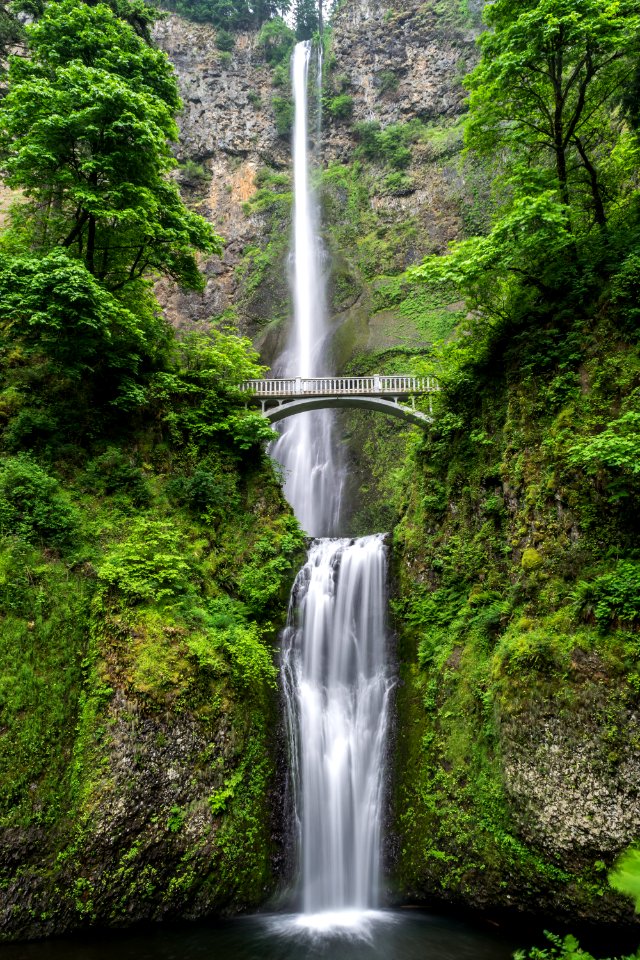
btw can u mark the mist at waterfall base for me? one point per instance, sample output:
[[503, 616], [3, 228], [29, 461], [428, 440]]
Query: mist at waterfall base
[[398, 935]]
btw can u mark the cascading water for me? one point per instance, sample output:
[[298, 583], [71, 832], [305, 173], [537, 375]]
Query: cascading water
[[337, 691], [306, 451], [333, 656]]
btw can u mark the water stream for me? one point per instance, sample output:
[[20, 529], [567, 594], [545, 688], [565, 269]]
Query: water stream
[[306, 449], [334, 670], [337, 691]]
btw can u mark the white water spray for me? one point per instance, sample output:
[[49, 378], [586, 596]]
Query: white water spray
[[306, 451]]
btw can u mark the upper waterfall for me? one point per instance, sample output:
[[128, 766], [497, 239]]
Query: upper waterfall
[[306, 448]]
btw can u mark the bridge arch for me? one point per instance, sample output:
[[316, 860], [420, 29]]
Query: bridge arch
[[284, 397], [291, 407]]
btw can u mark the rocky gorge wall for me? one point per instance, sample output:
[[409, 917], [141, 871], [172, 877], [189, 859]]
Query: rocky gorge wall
[[396, 63]]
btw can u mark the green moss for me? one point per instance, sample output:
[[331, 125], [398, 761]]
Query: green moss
[[501, 560], [531, 559]]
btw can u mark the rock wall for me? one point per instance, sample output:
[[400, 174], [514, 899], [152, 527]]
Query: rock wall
[[228, 127]]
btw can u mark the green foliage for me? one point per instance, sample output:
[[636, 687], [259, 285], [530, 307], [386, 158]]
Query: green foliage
[[199, 398], [33, 506], [625, 876], [560, 116], [398, 184], [340, 107], [224, 40], [193, 172], [561, 948], [306, 18], [228, 14], [85, 129], [149, 564], [114, 472], [276, 41], [176, 819], [260, 581], [615, 452], [390, 145], [283, 110], [387, 81], [56, 313], [613, 597], [252, 667]]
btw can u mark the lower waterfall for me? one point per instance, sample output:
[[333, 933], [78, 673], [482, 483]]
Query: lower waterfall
[[337, 689]]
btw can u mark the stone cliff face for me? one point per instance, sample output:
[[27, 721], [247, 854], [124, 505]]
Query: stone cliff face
[[395, 65]]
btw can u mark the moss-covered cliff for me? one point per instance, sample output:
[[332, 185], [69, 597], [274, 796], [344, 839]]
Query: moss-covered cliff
[[518, 756], [140, 609]]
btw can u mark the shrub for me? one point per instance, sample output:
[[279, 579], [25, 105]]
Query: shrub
[[398, 184], [192, 172], [276, 40], [616, 451], [149, 564], [616, 595], [283, 109], [340, 107], [254, 99], [387, 81], [113, 472], [225, 41], [389, 145], [32, 505]]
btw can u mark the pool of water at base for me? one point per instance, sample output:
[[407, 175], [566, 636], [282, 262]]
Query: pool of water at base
[[373, 935]]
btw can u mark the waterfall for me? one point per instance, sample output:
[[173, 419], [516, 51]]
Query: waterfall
[[337, 691], [334, 675], [305, 449]]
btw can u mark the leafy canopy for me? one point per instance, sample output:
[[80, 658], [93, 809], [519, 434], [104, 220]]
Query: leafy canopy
[[84, 131]]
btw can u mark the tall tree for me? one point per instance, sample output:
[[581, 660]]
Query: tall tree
[[84, 132], [551, 74]]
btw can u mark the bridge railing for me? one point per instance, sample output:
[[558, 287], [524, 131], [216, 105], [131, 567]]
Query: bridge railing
[[341, 386]]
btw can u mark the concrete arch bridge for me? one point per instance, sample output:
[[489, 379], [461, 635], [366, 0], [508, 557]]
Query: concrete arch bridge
[[394, 395]]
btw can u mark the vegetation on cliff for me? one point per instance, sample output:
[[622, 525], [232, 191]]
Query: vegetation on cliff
[[145, 549], [518, 564]]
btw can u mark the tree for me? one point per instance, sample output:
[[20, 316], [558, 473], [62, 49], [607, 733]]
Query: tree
[[551, 75], [229, 14], [306, 18], [84, 132], [137, 13]]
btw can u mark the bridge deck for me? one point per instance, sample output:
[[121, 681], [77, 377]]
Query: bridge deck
[[376, 386]]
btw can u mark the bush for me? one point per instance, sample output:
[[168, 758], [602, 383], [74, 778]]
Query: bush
[[149, 564], [225, 41], [113, 472], [387, 81], [398, 184], [616, 595], [389, 145], [283, 109], [340, 107], [192, 172], [32, 505], [276, 40]]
